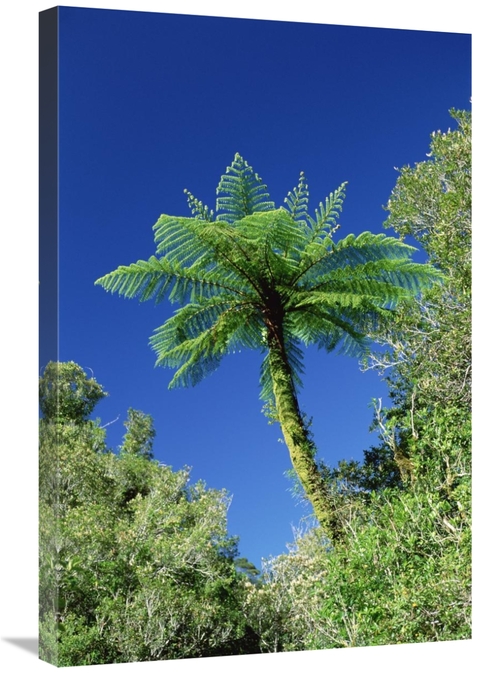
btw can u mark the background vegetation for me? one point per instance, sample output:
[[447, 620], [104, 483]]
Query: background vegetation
[[136, 562]]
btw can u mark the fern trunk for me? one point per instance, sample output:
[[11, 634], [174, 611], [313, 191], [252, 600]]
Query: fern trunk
[[300, 445]]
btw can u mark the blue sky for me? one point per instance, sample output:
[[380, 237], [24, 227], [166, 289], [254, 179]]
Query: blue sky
[[151, 104]]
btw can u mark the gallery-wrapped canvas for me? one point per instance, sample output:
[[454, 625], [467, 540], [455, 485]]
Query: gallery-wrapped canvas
[[266, 448]]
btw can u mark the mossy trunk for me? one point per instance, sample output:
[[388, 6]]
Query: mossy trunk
[[301, 447]]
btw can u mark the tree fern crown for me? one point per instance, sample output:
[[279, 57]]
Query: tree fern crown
[[249, 274]]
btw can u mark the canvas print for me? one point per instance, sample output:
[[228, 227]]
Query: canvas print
[[255, 340]]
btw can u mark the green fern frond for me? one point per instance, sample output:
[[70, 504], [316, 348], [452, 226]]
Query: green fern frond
[[204, 246], [154, 278], [198, 362], [199, 210], [297, 200], [320, 230], [352, 251], [329, 329], [359, 309], [201, 334], [327, 214], [195, 318], [273, 238], [179, 239], [245, 192], [143, 279], [393, 248], [384, 278]]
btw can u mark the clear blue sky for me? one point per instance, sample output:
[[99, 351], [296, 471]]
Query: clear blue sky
[[151, 104]]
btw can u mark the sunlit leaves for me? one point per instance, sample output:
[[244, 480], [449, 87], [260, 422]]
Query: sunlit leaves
[[135, 561], [67, 394]]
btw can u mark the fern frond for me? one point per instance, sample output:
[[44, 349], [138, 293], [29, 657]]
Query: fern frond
[[388, 280], [195, 339], [202, 246], [245, 192], [193, 361], [328, 329], [199, 210], [327, 214], [321, 228], [179, 238], [297, 200], [352, 251], [154, 278], [273, 238]]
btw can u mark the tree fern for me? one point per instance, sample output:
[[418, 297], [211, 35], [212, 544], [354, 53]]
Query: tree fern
[[274, 280]]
